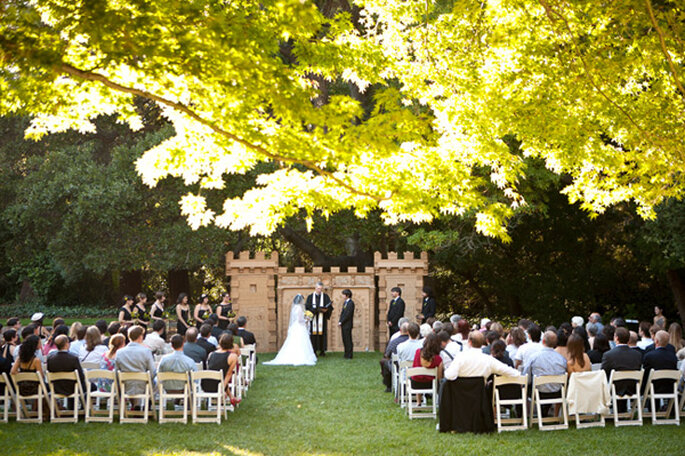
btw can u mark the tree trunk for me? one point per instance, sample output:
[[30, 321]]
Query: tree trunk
[[26, 294], [130, 282], [179, 282], [675, 279]]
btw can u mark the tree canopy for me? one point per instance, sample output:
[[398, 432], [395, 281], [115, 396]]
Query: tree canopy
[[591, 88]]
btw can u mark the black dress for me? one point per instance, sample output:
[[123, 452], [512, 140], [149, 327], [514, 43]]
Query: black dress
[[159, 313], [142, 319], [216, 361], [180, 327], [225, 310], [127, 314], [199, 323]]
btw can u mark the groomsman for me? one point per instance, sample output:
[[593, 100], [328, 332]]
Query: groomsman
[[319, 303], [345, 322], [395, 310]]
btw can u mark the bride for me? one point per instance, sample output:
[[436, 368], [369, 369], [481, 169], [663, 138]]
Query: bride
[[297, 349]]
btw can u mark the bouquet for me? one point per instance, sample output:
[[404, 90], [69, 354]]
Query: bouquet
[[146, 315], [190, 322], [165, 314], [308, 315], [230, 314], [135, 314], [206, 314]]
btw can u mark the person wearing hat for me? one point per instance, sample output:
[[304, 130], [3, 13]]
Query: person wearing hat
[[202, 311], [37, 321]]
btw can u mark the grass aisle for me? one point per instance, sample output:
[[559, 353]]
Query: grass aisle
[[336, 407]]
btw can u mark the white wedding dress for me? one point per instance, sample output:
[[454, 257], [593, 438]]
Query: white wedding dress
[[297, 349]]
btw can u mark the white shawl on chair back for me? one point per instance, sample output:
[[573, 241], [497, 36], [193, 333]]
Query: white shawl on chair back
[[588, 392]]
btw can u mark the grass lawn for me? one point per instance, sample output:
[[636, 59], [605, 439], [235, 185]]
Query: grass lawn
[[337, 407]]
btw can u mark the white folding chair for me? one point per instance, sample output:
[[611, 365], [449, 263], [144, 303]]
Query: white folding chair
[[561, 422], [7, 398], [23, 412], [394, 373], [164, 396], [659, 417], [90, 365], [596, 366], [56, 416], [418, 410], [245, 369], [200, 416], [236, 385], [585, 419], [403, 366], [634, 403], [101, 377], [199, 366], [133, 416], [511, 424]]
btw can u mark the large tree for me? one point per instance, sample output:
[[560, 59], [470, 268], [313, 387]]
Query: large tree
[[593, 89]]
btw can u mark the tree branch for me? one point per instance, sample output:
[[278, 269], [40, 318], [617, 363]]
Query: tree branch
[[98, 77], [659, 32]]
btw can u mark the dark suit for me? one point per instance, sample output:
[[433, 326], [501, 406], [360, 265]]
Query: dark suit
[[247, 336], [207, 345], [316, 306], [346, 322], [428, 308], [660, 359], [622, 358], [63, 361], [395, 312]]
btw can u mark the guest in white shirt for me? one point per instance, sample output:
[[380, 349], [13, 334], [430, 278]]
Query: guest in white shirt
[[407, 349], [450, 349], [93, 349], [525, 351], [475, 363], [515, 339], [154, 340], [645, 339], [76, 345]]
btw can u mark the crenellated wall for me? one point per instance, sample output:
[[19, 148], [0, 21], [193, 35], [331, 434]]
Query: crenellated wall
[[263, 292]]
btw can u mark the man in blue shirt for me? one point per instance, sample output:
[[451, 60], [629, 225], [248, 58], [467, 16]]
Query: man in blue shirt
[[176, 362], [547, 362]]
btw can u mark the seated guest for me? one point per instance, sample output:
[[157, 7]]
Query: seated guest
[[101, 325], [64, 361], [596, 319], [154, 340], [632, 343], [135, 357], [50, 345], [562, 342], [390, 349], [407, 349], [609, 331], [515, 339], [490, 337], [475, 363], [226, 360], [27, 332], [425, 329], [429, 357], [192, 349], [204, 339], [11, 338], [450, 348], [112, 329], [116, 342], [577, 321], [176, 361], [216, 330], [675, 338], [248, 337], [498, 350], [601, 346], [463, 330], [659, 359], [580, 330], [527, 350], [94, 349], [645, 335], [27, 361], [437, 326], [622, 358], [80, 341], [37, 321], [399, 324], [577, 359], [237, 340], [546, 361], [14, 323], [592, 331]]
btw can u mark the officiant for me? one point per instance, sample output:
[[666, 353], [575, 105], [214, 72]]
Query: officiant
[[319, 303]]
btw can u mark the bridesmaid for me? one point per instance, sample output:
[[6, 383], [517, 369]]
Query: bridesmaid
[[143, 320], [125, 311], [182, 314], [202, 311], [157, 310], [224, 309]]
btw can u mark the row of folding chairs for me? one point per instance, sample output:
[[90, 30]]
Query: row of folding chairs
[[190, 396], [417, 402], [531, 410]]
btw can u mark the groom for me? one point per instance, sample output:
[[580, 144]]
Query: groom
[[346, 321], [319, 303]]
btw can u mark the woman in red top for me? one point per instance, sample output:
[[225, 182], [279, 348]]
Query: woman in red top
[[428, 357]]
